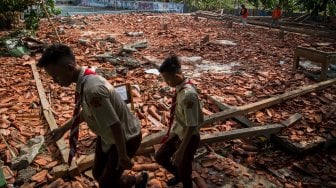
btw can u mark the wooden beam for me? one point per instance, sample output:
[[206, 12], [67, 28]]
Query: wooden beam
[[241, 133], [48, 114], [294, 147], [86, 162], [156, 137], [291, 120], [311, 54], [152, 139], [267, 102], [240, 119]]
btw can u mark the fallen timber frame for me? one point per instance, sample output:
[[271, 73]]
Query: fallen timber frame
[[267, 102], [246, 122], [319, 57], [234, 112], [240, 110], [239, 118], [86, 162]]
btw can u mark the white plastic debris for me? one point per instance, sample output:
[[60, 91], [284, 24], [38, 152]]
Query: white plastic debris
[[152, 71]]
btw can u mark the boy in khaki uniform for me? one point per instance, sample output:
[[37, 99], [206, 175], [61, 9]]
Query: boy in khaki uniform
[[177, 152], [118, 131]]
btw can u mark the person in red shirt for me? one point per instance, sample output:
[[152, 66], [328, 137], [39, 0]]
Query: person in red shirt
[[244, 14], [276, 15]]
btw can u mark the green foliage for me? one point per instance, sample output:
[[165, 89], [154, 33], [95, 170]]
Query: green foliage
[[32, 19], [11, 45], [33, 16], [255, 3], [51, 9], [312, 6], [33, 12], [332, 9], [14, 5], [315, 7]]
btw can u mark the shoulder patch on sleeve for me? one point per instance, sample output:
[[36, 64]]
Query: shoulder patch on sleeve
[[95, 101]]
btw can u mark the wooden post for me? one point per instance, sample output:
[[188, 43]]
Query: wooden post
[[52, 25]]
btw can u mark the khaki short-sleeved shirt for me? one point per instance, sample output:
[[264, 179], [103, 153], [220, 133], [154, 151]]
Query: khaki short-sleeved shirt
[[188, 112], [102, 107]]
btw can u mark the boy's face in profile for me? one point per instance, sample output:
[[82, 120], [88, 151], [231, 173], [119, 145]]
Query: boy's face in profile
[[172, 79], [61, 74]]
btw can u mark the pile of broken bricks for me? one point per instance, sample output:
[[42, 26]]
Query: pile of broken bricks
[[254, 75]]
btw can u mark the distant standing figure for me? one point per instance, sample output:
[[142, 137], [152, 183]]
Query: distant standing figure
[[276, 15], [244, 14]]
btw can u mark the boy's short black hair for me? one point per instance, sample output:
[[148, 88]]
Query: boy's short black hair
[[56, 54], [243, 6], [170, 65]]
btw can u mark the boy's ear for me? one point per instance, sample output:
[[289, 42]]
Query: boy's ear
[[71, 66]]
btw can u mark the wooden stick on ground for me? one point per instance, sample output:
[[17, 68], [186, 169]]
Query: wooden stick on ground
[[9, 148], [52, 25], [48, 114]]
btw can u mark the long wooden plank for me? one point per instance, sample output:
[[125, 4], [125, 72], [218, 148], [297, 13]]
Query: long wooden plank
[[86, 162], [241, 133], [267, 102], [50, 117], [156, 137], [152, 139], [241, 119]]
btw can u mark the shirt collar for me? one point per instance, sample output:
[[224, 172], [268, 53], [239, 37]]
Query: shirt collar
[[181, 85], [80, 79]]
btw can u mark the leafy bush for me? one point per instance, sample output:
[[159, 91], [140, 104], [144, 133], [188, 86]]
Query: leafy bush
[[33, 12]]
